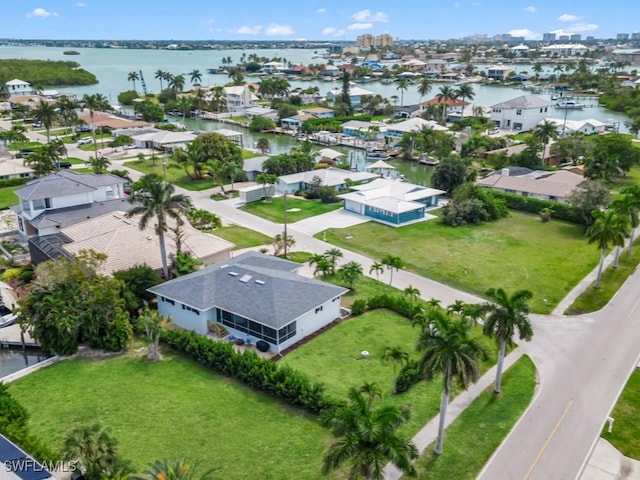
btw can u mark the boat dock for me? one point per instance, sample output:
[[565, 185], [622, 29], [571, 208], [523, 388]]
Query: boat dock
[[11, 337]]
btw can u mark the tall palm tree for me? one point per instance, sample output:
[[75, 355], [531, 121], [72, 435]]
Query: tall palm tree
[[133, 77], [177, 83], [99, 164], [46, 114], [412, 292], [94, 103], [424, 87], [67, 111], [155, 199], [504, 314], [545, 132], [447, 348], [396, 356], [392, 262], [403, 84], [196, 76], [608, 228], [465, 91], [184, 104], [629, 204], [377, 268], [218, 100], [444, 95], [94, 447], [160, 75], [179, 470], [367, 438]]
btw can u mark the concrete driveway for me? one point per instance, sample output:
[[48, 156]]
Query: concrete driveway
[[336, 219]]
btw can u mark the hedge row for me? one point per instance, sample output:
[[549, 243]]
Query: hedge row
[[247, 367], [12, 182], [401, 305], [13, 425], [560, 211]]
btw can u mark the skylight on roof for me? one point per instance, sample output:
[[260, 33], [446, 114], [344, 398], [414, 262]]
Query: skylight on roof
[[260, 282], [245, 278], [233, 274]]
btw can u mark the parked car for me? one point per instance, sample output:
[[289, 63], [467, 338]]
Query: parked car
[[64, 164], [85, 141]]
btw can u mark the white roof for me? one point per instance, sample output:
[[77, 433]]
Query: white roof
[[259, 111], [330, 153], [381, 164], [353, 91], [13, 166], [524, 101], [227, 132], [17, 81], [165, 137], [329, 176], [575, 125], [416, 124], [414, 62], [391, 195]]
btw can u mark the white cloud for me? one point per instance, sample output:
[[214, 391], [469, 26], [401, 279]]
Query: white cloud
[[275, 29], [301, 39], [365, 16], [530, 9], [321, 10], [566, 18], [582, 27], [360, 26], [329, 30], [248, 30], [526, 33], [41, 13], [81, 4]]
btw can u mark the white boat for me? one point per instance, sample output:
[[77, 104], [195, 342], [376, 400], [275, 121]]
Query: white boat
[[377, 154], [569, 105]]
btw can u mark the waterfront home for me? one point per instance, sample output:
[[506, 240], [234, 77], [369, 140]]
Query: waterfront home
[[406, 111], [163, 140], [295, 122], [269, 113], [415, 65], [252, 297], [359, 129], [318, 112], [330, 71], [435, 67], [17, 87], [588, 126], [498, 73], [454, 108], [126, 245], [631, 55], [239, 98], [355, 95], [520, 114], [110, 120], [337, 178], [564, 50], [554, 186], [391, 201], [395, 131], [252, 167]]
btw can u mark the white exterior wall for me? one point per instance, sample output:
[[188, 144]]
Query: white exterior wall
[[184, 318], [311, 322], [352, 206], [72, 200], [109, 192], [529, 118]]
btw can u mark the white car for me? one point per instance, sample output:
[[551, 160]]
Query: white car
[[85, 141]]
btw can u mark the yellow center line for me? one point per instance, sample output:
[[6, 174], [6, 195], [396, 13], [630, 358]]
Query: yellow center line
[[546, 444], [634, 308]]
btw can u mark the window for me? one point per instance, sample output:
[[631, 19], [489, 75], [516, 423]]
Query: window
[[38, 204], [519, 111], [319, 309], [285, 333]]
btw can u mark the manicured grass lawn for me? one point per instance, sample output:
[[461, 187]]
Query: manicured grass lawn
[[175, 173], [518, 252], [625, 434], [242, 237], [297, 209], [74, 160], [83, 170], [365, 287], [338, 349], [171, 410], [593, 299], [7, 197], [473, 437]]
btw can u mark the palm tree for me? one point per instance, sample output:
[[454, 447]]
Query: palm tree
[[629, 204], [94, 103], [94, 447], [465, 91], [46, 114], [349, 273], [232, 171], [67, 111], [445, 94], [392, 262], [154, 198], [411, 292], [184, 104], [545, 132], [196, 76], [133, 77], [160, 75], [397, 356], [99, 164], [377, 268], [504, 314], [180, 470], [403, 84], [218, 100], [177, 83], [447, 348], [372, 390], [333, 255], [267, 180], [367, 438], [608, 228], [424, 87], [263, 144]]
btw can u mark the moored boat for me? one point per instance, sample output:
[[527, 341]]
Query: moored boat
[[377, 154], [569, 105]]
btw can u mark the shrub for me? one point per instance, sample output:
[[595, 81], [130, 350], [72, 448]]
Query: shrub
[[11, 274], [408, 376], [400, 305], [327, 194], [560, 211], [259, 124], [12, 182], [358, 307], [127, 98], [26, 276]]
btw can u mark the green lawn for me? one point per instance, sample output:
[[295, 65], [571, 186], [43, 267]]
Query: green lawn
[[625, 434], [175, 173], [297, 209], [365, 288], [242, 237], [473, 437], [337, 351], [171, 410], [7, 197], [593, 299], [516, 252]]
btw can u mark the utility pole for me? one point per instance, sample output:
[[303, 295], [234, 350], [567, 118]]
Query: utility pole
[[285, 224]]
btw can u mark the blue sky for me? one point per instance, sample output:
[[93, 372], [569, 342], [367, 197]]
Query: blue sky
[[312, 19]]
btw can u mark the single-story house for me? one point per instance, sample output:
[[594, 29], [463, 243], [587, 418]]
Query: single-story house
[[233, 136], [355, 95], [330, 177], [395, 131], [13, 168], [252, 167], [295, 122], [318, 112], [358, 128], [103, 119], [250, 296], [125, 245], [406, 111], [454, 107], [269, 113], [555, 186], [391, 201], [164, 140], [589, 126]]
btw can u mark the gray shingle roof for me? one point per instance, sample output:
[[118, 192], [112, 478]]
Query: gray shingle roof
[[525, 101], [256, 286], [64, 217], [65, 182]]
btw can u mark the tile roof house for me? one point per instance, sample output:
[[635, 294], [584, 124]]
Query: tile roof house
[[251, 296], [555, 186], [395, 131], [520, 114], [454, 107], [391, 201], [13, 167]]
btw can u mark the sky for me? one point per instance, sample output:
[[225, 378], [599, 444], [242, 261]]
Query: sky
[[326, 20]]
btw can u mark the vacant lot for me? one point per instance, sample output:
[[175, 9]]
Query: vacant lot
[[297, 209], [517, 252]]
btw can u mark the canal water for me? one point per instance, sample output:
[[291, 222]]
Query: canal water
[[13, 360]]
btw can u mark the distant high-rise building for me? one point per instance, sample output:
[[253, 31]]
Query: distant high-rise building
[[635, 36], [622, 37], [576, 37], [563, 38], [590, 38], [367, 40], [548, 37], [384, 40]]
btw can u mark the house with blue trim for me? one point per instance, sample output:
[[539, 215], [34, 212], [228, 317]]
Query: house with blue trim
[[392, 201], [251, 297]]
